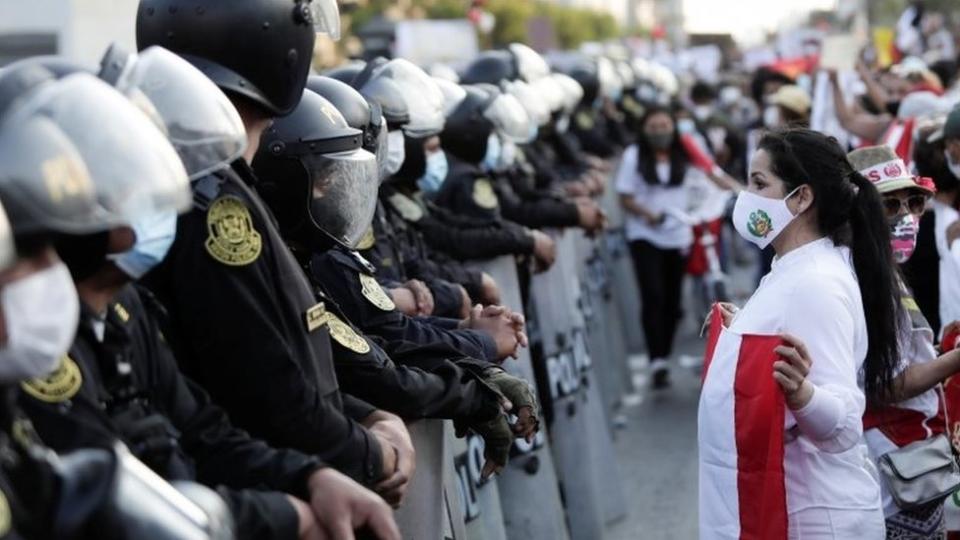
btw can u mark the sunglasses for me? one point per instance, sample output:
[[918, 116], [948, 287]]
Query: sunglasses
[[915, 204]]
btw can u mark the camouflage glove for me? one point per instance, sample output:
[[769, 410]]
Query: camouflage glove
[[498, 438], [522, 398]]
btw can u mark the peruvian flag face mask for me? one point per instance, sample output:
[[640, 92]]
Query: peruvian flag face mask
[[903, 237]]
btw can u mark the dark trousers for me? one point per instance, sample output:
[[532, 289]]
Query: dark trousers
[[660, 276]]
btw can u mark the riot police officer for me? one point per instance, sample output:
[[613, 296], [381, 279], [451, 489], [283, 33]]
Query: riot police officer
[[322, 185], [240, 308], [53, 168], [432, 295]]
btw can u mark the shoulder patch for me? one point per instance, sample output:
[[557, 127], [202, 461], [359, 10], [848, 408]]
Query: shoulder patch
[[374, 293], [61, 385], [231, 238], [584, 121], [407, 207], [367, 241], [345, 335], [484, 195], [6, 519]]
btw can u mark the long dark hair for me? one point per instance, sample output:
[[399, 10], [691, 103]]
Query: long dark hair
[[850, 211], [646, 155]]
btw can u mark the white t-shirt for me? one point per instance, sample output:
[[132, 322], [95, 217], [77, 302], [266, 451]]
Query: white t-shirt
[[660, 197], [944, 215], [812, 293], [916, 347]]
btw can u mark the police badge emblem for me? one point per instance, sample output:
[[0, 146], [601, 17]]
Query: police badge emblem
[[61, 385], [231, 238], [483, 194], [373, 292], [343, 334]]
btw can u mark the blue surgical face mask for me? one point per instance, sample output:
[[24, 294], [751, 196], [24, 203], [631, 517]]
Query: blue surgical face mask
[[155, 234], [534, 132], [492, 160], [436, 173]]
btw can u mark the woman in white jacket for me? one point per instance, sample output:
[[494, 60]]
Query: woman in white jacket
[[831, 295]]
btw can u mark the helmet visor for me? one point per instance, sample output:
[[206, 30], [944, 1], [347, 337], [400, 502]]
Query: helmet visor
[[344, 193], [44, 183], [8, 251], [453, 95], [550, 92], [534, 104], [383, 151], [326, 18], [572, 91], [134, 168], [424, 98], [200, 122], [509, 118], [530, 64]]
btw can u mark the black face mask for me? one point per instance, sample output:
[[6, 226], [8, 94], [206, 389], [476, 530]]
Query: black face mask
[[893, 107], [84, 255]]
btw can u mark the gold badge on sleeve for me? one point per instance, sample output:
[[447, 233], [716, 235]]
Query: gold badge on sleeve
[[61, 385], [232, 239], [374, 293], [484, 195], [345, 335]]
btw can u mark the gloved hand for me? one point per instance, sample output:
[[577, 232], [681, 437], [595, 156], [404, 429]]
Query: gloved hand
[[521, 401], [498, 438]]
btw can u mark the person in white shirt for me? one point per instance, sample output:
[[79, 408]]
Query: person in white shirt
[[654, 182], [832, 296]]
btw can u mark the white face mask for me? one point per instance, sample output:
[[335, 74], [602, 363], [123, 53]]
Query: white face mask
[[41, 312], [702, 112], [954, 166], [771, 116], [760, 219], [508, 155], [396, 152]]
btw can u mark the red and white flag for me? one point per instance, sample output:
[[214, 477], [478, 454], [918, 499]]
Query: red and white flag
[[741, 438], [899, 136]]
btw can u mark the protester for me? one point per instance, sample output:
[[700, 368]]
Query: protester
[[832, 298]]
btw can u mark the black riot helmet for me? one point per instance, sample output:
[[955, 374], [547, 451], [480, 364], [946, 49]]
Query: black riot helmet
[[588, 77], [483, 111], [316, 176], [359, 112], [466, 130], [491, 67], [258, 49], [345, 73], [381, 90]]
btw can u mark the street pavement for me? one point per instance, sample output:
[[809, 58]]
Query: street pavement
[[657, 447]]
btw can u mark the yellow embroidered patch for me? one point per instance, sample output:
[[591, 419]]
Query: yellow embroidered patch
[[61, 385], [408, 208], [345, 335], [6, 520], [316, 317], [909, 303], [367, 241], [584, 121], [483, 194], [373, 292], [232, 239], [121, 312]]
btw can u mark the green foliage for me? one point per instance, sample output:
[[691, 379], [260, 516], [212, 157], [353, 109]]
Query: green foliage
[[572, 26]]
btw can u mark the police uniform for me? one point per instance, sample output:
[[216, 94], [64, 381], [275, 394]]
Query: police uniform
[[414, 382], [239, 311], [397, 260], [593, 130], [349, 280], [127, 386], [520, 203]]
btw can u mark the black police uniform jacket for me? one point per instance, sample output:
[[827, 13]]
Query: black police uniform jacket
[[239, 307], [128, 387], [464, 229], [413, 382], [396, 262], [346, 278]]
